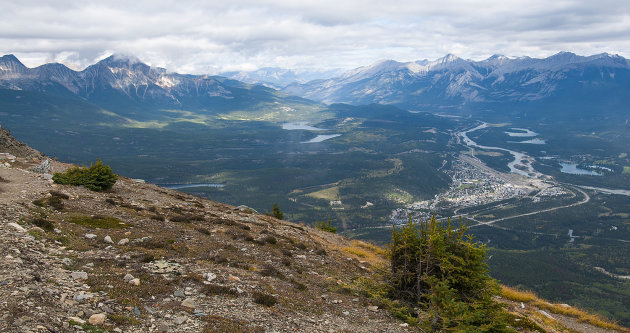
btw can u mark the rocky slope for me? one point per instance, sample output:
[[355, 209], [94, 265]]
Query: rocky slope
[[141, 258]]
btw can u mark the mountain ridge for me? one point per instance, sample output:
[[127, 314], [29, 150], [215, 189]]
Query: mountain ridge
[[453, 80]]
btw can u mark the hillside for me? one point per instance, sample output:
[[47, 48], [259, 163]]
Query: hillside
[[143, 258]]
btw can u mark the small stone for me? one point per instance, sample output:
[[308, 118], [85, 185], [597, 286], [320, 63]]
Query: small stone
[[128, 277], [90, 236], [108, 240], [180, 320], [136, 311], [346, 313], [178, 293], [79, 275], [97, 319], [17, 227], [77, 320], [135, 282], [210, 276], [189, 303], [38, 229], [373, 308], [404, 325], [57, 231], [233, 278], [123, 241]]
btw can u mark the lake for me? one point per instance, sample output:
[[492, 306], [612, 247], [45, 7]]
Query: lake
[[321, 138], [572, 168]]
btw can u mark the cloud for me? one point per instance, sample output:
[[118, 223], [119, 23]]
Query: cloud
[[211, 36]]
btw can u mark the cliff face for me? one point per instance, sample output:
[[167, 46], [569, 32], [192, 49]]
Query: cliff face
[[141, 258]]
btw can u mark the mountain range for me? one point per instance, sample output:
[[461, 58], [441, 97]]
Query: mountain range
[[454, 81], [125, 83], [127, 86]]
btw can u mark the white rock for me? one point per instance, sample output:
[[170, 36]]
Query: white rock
[[210, 277], [123, 241], [38, 229], [77, 320], [128, 277], [79, 275], [17, 227], [373, 308], [97, 319], [189, 303], [90, 236], [135, 282], [108, 240]]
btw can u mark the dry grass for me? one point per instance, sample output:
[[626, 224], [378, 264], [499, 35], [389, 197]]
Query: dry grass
[[581, 315], [365, 252]]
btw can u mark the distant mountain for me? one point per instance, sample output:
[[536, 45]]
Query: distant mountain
[[278, 78], [127, 86], [452, 81]]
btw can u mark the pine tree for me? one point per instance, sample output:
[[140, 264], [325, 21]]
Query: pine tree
[[276, 212], [443, 272]]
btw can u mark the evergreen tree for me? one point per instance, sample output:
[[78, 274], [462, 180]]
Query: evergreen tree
[[276, 212], [443, 272], [98, 177]]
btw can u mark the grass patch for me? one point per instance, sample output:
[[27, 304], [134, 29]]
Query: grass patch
[[98, 221], [186, 218], [217, 289], [264, 299], [122, 320], [626, 170], [329, 194], [365, 251], [218, 324], [581, 315]]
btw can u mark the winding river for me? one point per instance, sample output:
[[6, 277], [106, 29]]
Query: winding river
[[521, 159]]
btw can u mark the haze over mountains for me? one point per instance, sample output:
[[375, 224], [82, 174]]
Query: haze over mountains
[[130, 87], [454, 81], [450, 81]]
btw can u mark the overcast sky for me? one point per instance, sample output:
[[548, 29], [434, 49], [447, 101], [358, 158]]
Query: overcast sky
[[212, 36]]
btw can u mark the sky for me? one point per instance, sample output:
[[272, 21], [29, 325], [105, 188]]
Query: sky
[[208, 37]]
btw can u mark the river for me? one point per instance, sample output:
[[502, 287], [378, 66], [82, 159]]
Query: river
[[521, 159]]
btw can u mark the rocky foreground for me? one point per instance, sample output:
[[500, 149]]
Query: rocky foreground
[[141, 258]]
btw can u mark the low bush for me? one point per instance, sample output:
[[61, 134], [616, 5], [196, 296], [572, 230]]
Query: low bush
[[326, 226], [98, 177], [43, 223], [264, 299]]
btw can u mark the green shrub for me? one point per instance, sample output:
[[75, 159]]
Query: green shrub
[[326, 226], [276, 212], [43, 223], [98, 177], [264, 299]]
